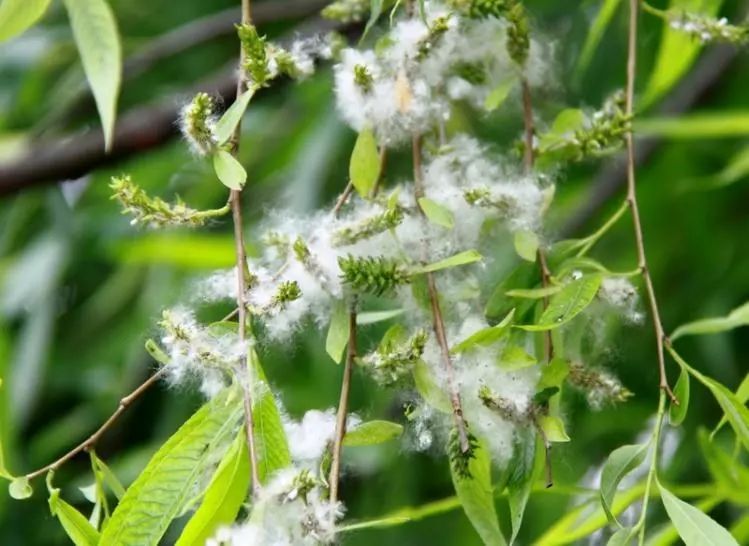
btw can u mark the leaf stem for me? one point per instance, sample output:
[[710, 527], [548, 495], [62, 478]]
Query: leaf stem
[[633, 205], [241, 256], [438, 322], [89, 442], [593, 238], [340, 426]]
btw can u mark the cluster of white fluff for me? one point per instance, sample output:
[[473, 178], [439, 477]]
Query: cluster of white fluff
[[290, 511], [300, 56], [708, 29], [620, 293], [421, 66], [309, 438]]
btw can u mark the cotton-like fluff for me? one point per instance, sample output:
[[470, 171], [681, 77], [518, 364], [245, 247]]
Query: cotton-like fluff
[[290, 511], [198, 354], [622, 295], [309, 438]]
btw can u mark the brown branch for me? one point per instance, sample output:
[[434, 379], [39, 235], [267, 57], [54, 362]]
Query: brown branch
[[660, 334], [438, 322], [242, 281], [89, 442], [342, 414]]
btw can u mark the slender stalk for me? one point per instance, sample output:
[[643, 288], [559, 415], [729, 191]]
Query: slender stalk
[[89, 442], [438, 322], [528, 162], [239, 248], [600, 232], [340, 426], [660, 334]]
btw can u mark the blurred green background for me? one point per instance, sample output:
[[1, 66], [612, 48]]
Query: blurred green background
[[81, 290]]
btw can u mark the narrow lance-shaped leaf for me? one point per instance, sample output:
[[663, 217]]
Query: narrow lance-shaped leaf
[[462, 258], [526, 245], [677, 413], [436, 213], [364, 168], [742, 395], [736, 318], [568, 303], [525, 466], [75, 524], [337, 338], [621, 462], [595, 33], [485, 336], [224, 497], [694, 526], [226, 125], [167, 483], [372, 433], [477, 497], [699, 125], [18, 15], [95, 32]]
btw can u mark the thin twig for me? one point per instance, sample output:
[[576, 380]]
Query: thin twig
[[528, 162], [340, 425], [438, 322], [343, 198], [236, 207], [89, 442], [660, 334]]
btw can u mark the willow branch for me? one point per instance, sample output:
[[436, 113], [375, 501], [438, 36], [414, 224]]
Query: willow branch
[[438, 322], [340, 425], [89, 442], [239, 247], [660, 334]]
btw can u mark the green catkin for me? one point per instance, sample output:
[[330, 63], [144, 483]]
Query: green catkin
[[375, 275]]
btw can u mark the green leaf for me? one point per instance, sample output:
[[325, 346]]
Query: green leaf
[[526, 245], [18, 15], [499, 94], [534, 293], [364, 168], [436, 213], [75, 524], [109, 477], [694, 526], [372, 433], [676, 414], [677, 51], [736, 169], [223, 498], [553, 428], [337, 338], [568, 120], [373, 317], [499, 304], [742, 395], [553, 375], [228, 170], [485, 336], [428, 388], [228, 122], [375, 10], [167, 484], [20, 488], [462, 258], [95, 32], [622, 537], [621, 462], [736, 318], [515, 358], [477, 497], [700, 125], [526, 465], [568, 303], [595, 33]]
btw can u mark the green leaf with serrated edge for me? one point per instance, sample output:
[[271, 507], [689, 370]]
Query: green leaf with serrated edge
[[364, 167], [436, 213], [677, 413], [534, 293], [20, 488], [622, 537], [694, 526], [485, 336], [462, 258], [373, 317], [736, 413], [95, 32], [621, 462], [596, 31], [514, 357], [526, 245], [228, 170], [567, 304], [227, 124], [161, 491], [526, 466], [742, 395], [337, 338], [75, 524], [18, 15], [428, 388], [735, 319], [553, 428], [372, 433], [497, 96], [223, 498], [477, 497], [677, 51]]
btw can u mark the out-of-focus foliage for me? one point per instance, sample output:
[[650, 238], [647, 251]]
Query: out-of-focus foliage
[[80, 290]]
